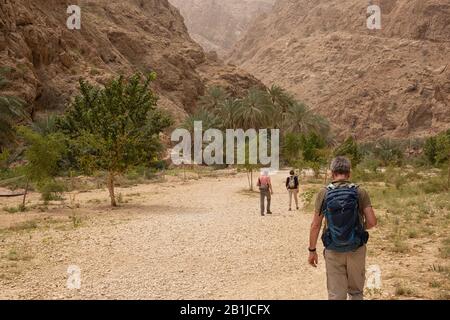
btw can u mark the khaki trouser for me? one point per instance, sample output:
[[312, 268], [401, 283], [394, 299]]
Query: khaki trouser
[[294, 193], [265, 194], [346, 272]]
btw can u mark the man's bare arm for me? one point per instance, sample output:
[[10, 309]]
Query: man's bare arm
[[313, 258], [315, 230], [371, 219]]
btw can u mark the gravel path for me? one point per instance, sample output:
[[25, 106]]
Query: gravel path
[[202, 239]]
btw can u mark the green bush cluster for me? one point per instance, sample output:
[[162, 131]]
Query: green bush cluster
[[114, 128], [437, 148], [12, 109]]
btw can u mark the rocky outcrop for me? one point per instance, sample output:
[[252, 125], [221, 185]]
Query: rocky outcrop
[[218, 24], [117, 36], [391, 82]]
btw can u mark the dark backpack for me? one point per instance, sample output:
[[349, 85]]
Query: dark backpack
[[345, 230]]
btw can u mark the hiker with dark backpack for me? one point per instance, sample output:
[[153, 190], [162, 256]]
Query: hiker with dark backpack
[[292, 187], [348, 214]]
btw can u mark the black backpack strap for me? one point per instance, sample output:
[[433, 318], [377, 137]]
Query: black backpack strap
[[327, 188]]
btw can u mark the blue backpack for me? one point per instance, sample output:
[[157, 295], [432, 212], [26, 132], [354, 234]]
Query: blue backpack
[[345, 231]]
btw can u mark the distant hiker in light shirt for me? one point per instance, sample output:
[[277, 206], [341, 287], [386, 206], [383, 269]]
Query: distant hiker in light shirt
[[348, 214], [265, 190], [292, 187]]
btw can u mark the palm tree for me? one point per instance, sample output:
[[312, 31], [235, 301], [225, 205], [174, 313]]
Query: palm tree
[[209, 120], [281, 101], [255, 111], [228, 113], [213, 98], [11, 110], [280, 97], [300, 119], [321, 126]]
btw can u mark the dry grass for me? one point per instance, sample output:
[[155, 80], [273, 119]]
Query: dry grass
[[413, 227]]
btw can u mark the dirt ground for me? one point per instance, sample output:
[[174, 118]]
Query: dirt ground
[[200, 239]]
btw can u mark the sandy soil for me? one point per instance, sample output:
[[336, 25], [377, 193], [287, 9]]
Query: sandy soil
[[200, 239]]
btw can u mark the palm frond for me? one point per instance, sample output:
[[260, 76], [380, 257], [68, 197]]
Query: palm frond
[[213, 98]]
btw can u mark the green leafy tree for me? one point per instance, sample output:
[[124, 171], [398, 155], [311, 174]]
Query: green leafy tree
[[443, 147], [11, 111], [306, 151], [441, 150], [430, 149], [250, 168], [43, 154], [115, 127], [292, 146], [350, 149], [311, 144], [4, 156], [314, 151], [436, 148]]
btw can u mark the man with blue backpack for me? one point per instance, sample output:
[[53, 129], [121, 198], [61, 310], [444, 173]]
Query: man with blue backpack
[[348, 215]]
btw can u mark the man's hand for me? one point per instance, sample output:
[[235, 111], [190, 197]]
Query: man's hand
[[313, 259]]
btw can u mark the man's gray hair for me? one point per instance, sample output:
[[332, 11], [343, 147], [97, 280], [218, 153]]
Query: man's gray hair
[[341, 165]]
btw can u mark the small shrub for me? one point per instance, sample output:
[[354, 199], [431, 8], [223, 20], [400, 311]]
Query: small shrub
[[435, 284], [400, 246], [76, 221], [51, 190], [14, 255], [445, 250], [399, 181], [412, 176], [424, 209], [308, 197], [370, 163], [412, 233], [427, 230], [434, 185], [27, 225], [361, 174], [402, 290], [19, 208]]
